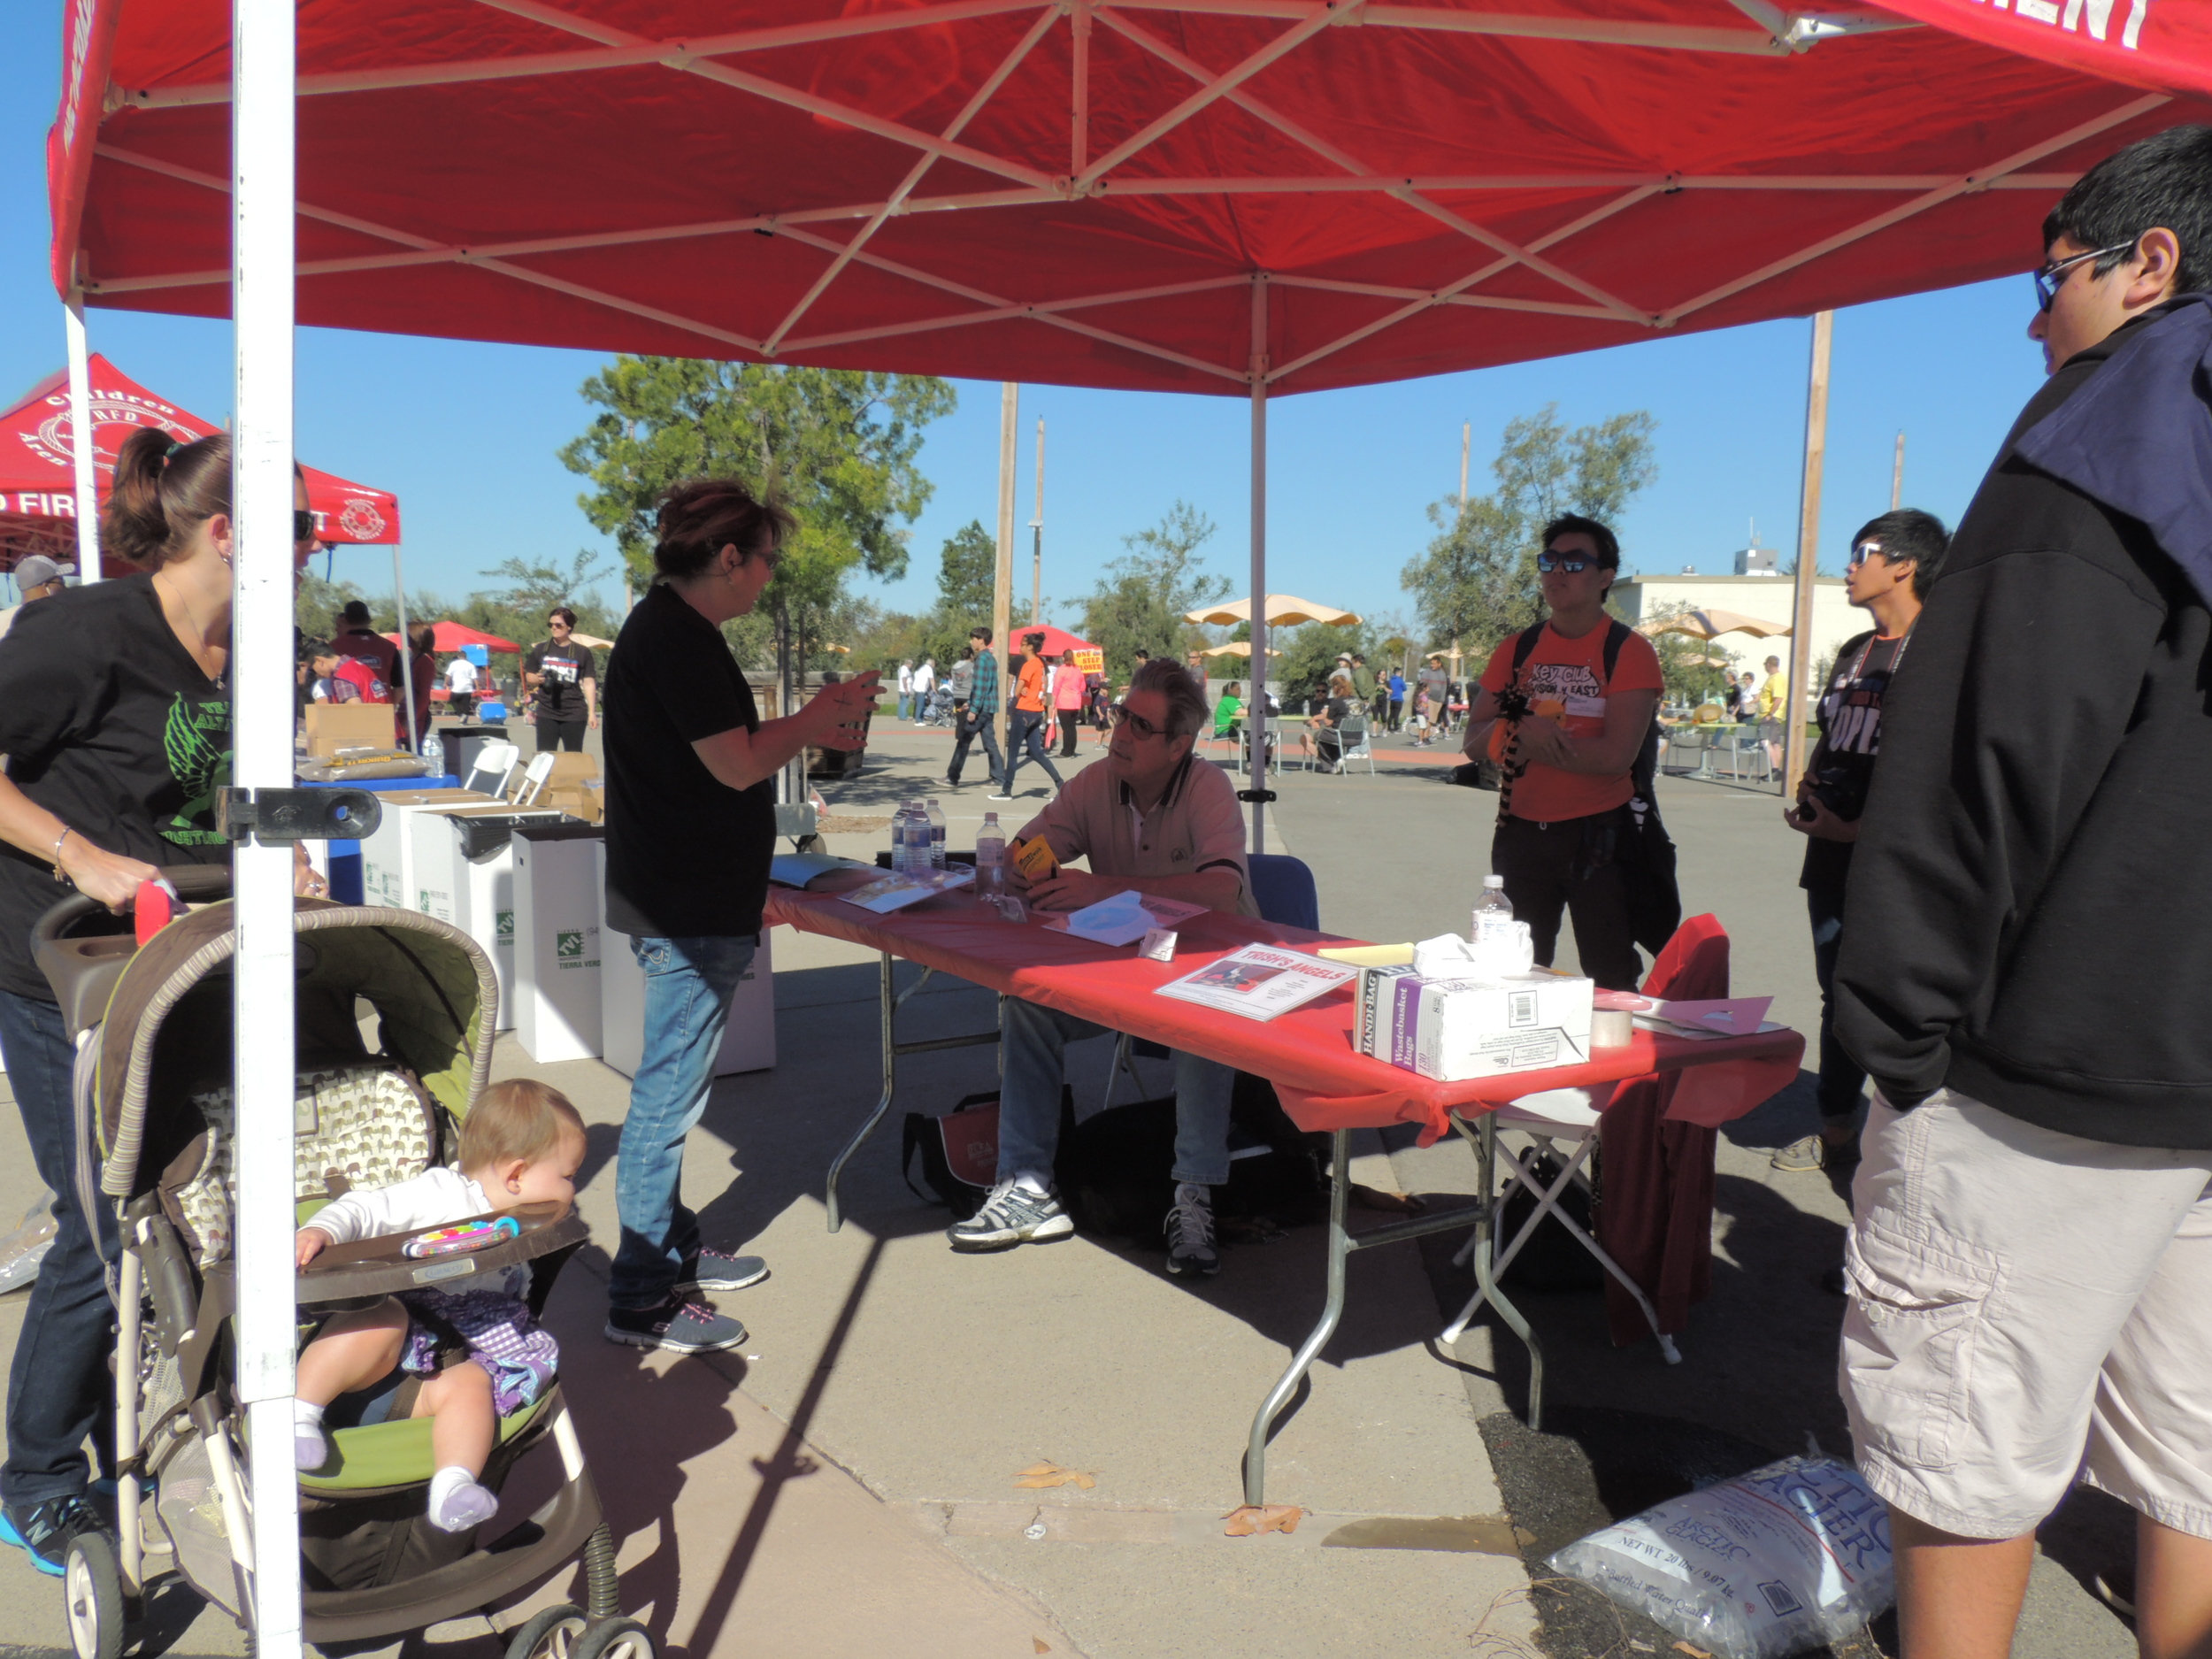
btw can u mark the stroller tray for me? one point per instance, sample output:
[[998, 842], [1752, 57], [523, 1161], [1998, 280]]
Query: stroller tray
[[381, 1267]]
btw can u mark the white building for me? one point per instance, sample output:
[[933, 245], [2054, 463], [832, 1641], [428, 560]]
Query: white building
[[1643, 599]]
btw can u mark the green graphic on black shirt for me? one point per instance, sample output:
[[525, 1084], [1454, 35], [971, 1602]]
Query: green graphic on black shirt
[[189, 741]]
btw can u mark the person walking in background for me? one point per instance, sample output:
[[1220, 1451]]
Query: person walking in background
[[961, 681], [1397, 699], [1067, 702], [1588, 685], [1895, 560], [1025, 739], [354, 636], [925, 684], [906, 689], [1773, 704], [691, 826], [566, 678], [978, 717], [37, 577], [422, 671], [2023, 969], [460, 684]]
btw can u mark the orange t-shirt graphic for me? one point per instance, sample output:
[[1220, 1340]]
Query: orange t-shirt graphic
[[1565, 681]]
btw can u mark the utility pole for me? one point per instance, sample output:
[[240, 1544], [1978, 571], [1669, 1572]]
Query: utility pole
[[1037, 539], [1897, 477], [1003, 577], [1466, 443], [1798, 708]]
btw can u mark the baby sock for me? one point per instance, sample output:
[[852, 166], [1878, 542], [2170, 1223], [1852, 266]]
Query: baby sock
[[310, 1446], [457, 1502]]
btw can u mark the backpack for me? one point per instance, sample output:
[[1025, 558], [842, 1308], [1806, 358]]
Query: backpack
[[1654, 900]]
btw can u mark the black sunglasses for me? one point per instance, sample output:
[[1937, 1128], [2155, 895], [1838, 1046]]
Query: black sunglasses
[[2051, 277], [303, 524], [1124, 715], [1573, 563]]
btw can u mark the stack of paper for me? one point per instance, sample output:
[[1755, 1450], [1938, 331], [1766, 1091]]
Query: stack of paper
[[1259, 982]]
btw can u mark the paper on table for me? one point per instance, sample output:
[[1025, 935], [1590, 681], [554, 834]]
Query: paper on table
[[799, 870], [1125, 918], [895, 892], [1259, 982], [1731, 1016]]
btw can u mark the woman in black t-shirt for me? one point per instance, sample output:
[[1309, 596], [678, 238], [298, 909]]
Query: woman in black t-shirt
[[691, 826], [562, 675], [115, 719]]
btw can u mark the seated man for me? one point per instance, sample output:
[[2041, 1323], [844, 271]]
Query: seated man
[[1152, 818]]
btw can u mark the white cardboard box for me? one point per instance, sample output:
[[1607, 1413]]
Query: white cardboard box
[[474, 891], [749, 1042], [1452, 1030], [557, 884], [388, 864]]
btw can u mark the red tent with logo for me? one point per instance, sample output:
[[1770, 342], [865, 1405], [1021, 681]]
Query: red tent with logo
[[38, 503]]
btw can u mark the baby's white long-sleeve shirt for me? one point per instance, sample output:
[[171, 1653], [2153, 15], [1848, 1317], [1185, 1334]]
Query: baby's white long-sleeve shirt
[[433, 1199]]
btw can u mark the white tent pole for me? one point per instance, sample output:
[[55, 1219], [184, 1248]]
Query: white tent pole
[[81, 442], [406, 648], [1257, 725], [262, 164]]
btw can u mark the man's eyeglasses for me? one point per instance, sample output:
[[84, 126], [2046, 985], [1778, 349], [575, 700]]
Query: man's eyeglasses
[[1573, 563], [2051, 277], [1124, 715]]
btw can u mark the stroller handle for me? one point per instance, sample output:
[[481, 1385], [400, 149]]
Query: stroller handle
[[83, 971], [196, 884]]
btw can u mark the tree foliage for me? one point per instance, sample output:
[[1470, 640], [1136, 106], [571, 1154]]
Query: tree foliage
[[1139, 601], [1690, 669], [1478, 580]]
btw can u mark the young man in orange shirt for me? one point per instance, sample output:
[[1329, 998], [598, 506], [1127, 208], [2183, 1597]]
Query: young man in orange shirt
[[1578, 701]]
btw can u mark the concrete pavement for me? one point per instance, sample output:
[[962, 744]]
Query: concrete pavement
[[846, 1484]]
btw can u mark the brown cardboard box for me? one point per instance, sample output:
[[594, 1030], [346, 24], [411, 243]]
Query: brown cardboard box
[[331, 726], [587, 802]]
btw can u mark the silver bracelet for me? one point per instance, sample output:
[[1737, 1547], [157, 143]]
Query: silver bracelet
[[55, 856]]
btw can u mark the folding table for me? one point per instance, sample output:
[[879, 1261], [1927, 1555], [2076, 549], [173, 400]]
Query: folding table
[[1322, 1081]]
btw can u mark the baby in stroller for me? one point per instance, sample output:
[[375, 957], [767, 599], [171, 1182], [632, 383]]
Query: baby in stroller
[[522, 1144]]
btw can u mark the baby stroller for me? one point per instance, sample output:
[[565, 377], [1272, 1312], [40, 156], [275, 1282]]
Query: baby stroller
[[152, 1092], [938, 711]]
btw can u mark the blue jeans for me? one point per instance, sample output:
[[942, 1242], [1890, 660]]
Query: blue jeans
[[59, 1391], [1842, 1078], [906, 704], [1028, 736], [1032, 1041], [688, 984]]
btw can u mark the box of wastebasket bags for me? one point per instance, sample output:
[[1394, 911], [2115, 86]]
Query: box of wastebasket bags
[[1452, 1030]]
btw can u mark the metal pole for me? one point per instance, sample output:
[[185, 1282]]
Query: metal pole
[[1258, 726], [1002, 575], [1797, 710], [406, 651], [1037, 529], [1897, 477], [81, 449], [1466, 443], [262, 207]]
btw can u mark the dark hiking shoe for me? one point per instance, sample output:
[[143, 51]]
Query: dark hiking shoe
[[44, 1534], [1189, 1228], [677, 1326]]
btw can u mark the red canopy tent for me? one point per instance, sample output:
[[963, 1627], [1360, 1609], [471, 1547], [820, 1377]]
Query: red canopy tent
[[1056, 640], [451, 636], [38, 504], [1239, 196]]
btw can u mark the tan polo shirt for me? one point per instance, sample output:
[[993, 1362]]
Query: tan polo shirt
[[1195, 826]]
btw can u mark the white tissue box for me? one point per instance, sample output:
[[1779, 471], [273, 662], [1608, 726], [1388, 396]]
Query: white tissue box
[[1452, 1030]]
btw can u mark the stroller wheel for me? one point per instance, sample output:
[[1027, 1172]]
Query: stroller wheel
[[615, 1638], [554, 1634], [92, 1593]]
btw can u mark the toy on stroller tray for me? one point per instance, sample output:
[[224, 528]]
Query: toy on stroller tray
[[155, 1129]]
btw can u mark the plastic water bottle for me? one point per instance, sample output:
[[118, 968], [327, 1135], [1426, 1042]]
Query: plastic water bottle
[[434, 755], [903, 839], [1494, 913], [990, 860], [936, 817]]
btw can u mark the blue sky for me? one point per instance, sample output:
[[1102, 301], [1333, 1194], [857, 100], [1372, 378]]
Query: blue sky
[[465, 434]]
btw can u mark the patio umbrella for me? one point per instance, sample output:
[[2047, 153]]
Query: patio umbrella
[[1711, 623], [1235, 647], [1186, 195], [1283, 609]]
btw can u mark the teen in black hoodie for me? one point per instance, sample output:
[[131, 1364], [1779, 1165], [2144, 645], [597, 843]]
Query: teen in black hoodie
[[2027, 949]]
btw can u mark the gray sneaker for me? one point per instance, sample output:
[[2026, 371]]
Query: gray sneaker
[[1189, 1228], [719, 1270], [679, 1326], [1011, 1215]]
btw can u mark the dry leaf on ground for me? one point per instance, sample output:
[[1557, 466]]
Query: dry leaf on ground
[[1249, 1518], [1695, 1653], [1041, 1645], [1042, 1475]]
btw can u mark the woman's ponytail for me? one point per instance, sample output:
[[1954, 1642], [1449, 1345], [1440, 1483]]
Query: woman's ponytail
[[162, 492]]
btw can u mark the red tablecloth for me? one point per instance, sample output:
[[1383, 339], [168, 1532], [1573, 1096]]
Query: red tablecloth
[[1323, 1081]]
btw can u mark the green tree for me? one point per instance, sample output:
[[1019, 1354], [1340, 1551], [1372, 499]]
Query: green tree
[[1478, 580], [839, 447], [1140, 599], [1689, 668]]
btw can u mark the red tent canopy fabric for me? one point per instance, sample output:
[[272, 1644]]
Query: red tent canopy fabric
[[1096, 193], [1056, 640], [38, 503], [451, 636]]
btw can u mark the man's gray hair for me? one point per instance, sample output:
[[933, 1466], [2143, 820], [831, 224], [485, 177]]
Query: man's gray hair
[[1186, 709]]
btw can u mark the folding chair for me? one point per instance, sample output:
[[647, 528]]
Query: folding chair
[[1569, 1115], [533, 779], [1355, 745], [494, 766]]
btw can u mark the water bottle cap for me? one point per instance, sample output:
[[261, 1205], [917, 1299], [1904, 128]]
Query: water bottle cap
[[990, 818], [1493, 881]]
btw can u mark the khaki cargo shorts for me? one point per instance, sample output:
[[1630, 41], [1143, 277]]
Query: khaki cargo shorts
[[2027, 1306]]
